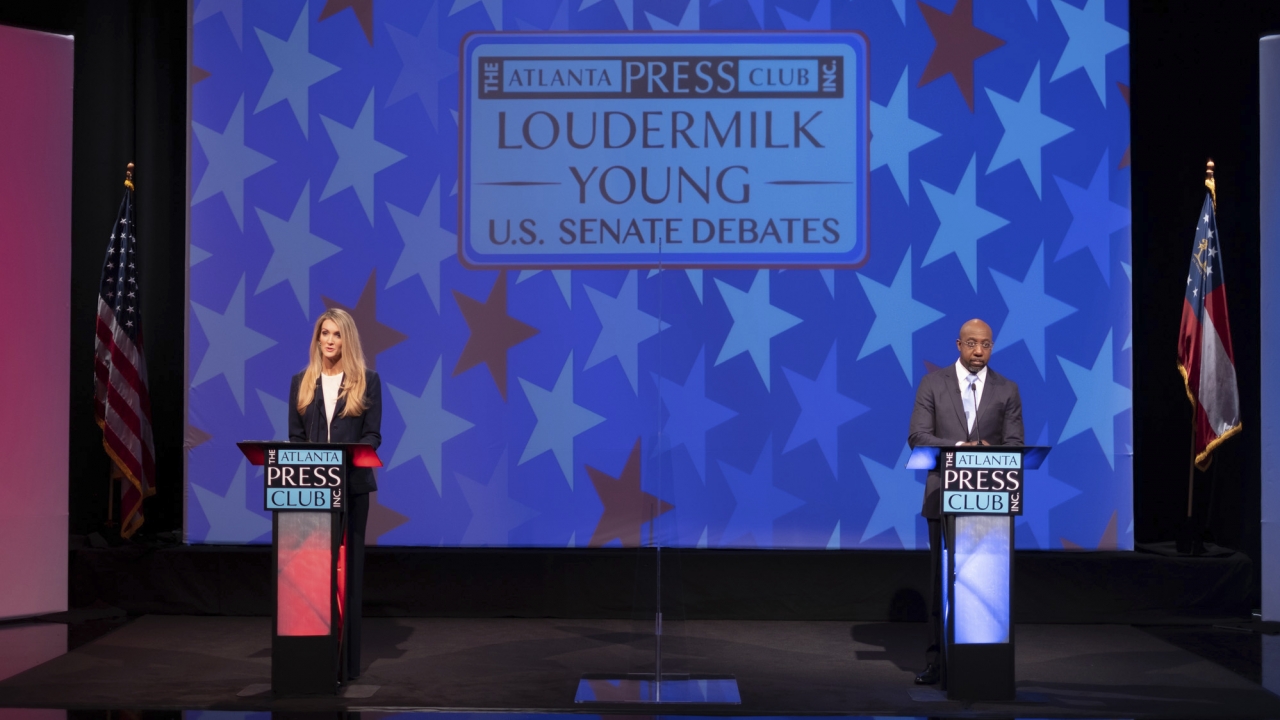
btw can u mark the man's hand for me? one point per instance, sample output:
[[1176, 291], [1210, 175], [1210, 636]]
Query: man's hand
[[975, 442]]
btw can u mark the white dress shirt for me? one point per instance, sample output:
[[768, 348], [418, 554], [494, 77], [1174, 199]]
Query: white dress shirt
[[962, 375]]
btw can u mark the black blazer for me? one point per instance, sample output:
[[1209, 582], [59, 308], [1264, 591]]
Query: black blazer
[[938, 419], [365, 428]]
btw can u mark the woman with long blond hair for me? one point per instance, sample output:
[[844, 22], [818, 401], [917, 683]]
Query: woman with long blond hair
[[336, 399]]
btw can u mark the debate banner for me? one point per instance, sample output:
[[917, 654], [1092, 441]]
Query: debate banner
[[662, 271]]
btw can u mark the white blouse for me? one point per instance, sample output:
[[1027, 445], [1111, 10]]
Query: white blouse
[[330, 384]]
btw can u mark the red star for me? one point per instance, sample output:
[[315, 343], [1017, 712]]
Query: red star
[[930, 367], [626, 506], [382, 520], [374, 336], [195, 437], [198, 73], [493, 333], [362, 8], [958, 45], [1110, 539], [1124, 91]]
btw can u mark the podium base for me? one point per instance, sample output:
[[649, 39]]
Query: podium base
[[640, 688]]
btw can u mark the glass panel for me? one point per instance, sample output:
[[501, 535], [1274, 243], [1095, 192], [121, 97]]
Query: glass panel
[[304, 566], [982, 579]]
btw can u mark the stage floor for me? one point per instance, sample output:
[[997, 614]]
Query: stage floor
[[186, 663]]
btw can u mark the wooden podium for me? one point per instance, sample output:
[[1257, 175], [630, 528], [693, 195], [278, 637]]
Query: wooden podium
[[306, 492]]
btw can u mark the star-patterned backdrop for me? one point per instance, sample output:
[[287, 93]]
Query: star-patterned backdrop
[[684, 407]]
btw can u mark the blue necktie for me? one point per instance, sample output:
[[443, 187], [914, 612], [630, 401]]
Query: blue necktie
[[971, 400]]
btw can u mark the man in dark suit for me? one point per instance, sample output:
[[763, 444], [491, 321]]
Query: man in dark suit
[[965, 403]]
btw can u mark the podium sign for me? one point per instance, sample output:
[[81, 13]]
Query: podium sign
[[305, 478], [982, 492]]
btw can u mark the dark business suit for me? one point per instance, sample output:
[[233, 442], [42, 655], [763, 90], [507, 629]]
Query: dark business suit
[[312, 426], [938, 419]]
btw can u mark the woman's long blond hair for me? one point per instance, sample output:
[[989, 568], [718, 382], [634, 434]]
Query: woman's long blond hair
[[351, 363]]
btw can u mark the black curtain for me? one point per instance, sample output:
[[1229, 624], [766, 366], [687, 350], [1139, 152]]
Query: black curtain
[[130, 106]]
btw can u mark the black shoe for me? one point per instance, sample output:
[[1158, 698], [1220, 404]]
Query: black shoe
[[930, 676]]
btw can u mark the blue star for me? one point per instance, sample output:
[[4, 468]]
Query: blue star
[[1026, 130], [1090, 38], [757, 502], [757, 9], [1043, 493], [426, 245], [360, 157], [898, 315], [894, 135], [688, 21], [294, 250], [492, 7], [563, 278], [560, 420], [231, 343], [899, 492], [232, 11], [277, 411], [1093, 217], [1099, 398], [1128, 273], [623, 326], [819, 19], [230, 518], [755, 323], [427, 425], [690, 414], [494, 514], [625, 9], [425, 64], [230, 162], [961, 223], [1031, 310], [822, 410], [293, 70]]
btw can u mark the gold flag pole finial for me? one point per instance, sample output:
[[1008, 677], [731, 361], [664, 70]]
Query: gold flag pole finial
[[128, 176], [1210, 183]]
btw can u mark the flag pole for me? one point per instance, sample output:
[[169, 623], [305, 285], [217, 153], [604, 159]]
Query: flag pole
[[1211, 184]]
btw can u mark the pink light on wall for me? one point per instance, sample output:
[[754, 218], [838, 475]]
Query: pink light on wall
[[35, 241]]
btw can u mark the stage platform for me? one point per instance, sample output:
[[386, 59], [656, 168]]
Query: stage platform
[[191, 663]]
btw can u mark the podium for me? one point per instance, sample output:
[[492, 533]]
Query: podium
[[983, 489], [306, 492]]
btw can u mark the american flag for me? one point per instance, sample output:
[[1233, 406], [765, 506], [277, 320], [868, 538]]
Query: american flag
[[122, 404], [1205, 356]]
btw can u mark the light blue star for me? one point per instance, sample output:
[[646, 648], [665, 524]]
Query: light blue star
[[624, 9], [757, 9], [898, 315], [492, 7], [1099, 398], [559, 420], [757, 502], [494, 513], [829, 277], [230, 518], [427, 425], [690, 414], [426, 245], [894, 135], [833, 542], [563, 278], [360, 157], [232, 11], [1093, 217], [623, 326], [961, 223], [1031, 310], [277, 411], [901, 7], [293, 70], [198, 255], [1035, 8], [688, 21], [1128, 273], [1043, 493], [819, 19], [822, 410], [1026, 130], [425, 64], [294, 250], [899, 492], [755, 322], [231, 343], [230, 162], [1090, 38]]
